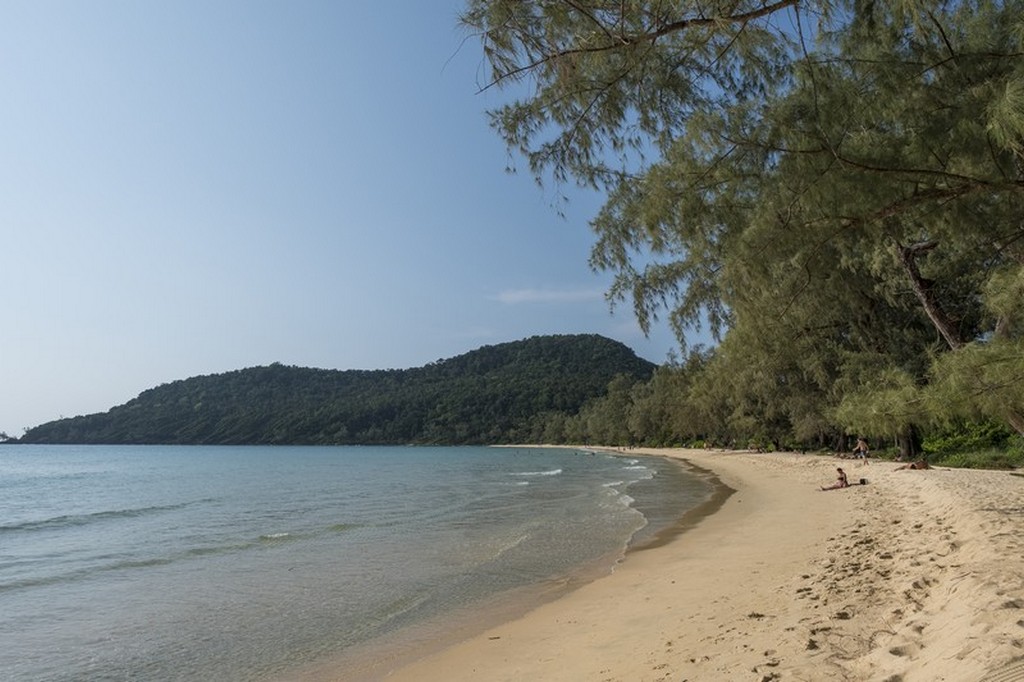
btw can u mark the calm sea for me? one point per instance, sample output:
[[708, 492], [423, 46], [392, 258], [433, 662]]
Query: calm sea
[[247, 563]]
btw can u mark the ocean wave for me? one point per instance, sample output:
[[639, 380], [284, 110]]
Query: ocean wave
[[128, 563], [283, 536], [275, 537], [42, 580], [72, 520], [119, 564], [140, 563], [613, 484], [508, 546], [342, 527], [553, 472], [390, 611], [492, 550], [216, 549]]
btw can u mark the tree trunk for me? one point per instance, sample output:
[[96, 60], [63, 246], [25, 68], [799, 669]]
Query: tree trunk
[[909, 441], [1016, 420], [945, 325], [922, 287], [841, 443]]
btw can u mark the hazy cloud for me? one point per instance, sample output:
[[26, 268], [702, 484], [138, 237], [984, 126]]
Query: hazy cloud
[[515, 296]]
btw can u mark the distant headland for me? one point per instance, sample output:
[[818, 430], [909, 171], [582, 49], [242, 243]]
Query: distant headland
[[511, 392]]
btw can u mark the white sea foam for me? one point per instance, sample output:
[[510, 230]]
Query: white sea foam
[[553, 472], [613, 484]]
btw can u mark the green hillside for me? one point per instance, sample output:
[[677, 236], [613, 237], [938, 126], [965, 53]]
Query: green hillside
[[495, 394]]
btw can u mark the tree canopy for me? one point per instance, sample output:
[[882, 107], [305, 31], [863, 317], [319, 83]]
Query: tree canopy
[[836, 188]]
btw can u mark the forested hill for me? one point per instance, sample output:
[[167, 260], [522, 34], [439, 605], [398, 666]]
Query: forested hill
[[501, 393]]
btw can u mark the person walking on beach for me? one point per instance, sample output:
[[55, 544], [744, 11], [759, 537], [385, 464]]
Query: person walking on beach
[[861, 450], [841, 481]]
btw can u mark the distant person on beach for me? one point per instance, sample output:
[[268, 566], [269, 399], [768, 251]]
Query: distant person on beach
[[861, 450], [919, 464], [841, 481]]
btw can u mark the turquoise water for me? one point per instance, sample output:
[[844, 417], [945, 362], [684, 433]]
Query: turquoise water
[[246, 563]]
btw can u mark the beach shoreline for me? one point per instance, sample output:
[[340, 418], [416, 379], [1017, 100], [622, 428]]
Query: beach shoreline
[[373, 660], [915, 576]]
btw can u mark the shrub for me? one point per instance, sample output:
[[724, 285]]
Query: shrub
[[968, 438], [984, 459]]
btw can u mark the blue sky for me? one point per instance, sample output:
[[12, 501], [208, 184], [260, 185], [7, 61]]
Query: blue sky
[[196, 187]]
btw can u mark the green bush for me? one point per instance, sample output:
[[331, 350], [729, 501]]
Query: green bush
[[1011, 458], [968, 438]]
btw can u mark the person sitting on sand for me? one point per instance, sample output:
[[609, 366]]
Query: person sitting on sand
[[841, 481]]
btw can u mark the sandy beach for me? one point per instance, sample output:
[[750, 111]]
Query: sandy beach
[[918, 575]]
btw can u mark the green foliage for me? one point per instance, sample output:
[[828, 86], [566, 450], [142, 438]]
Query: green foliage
[[1010, 458], [971, 438], [982, 380], [834, 187], [885, 403], [515, 392]]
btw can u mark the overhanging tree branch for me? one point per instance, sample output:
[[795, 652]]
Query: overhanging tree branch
[[547, 53], [923, 289]]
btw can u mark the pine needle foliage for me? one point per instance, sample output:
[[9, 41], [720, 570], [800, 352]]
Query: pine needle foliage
[[835, 188]]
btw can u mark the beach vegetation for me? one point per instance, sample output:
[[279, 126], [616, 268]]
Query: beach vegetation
[[832, 189], [989, 458], [976, 445]]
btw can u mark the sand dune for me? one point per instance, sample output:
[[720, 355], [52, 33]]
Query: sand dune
[[917, 576]]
